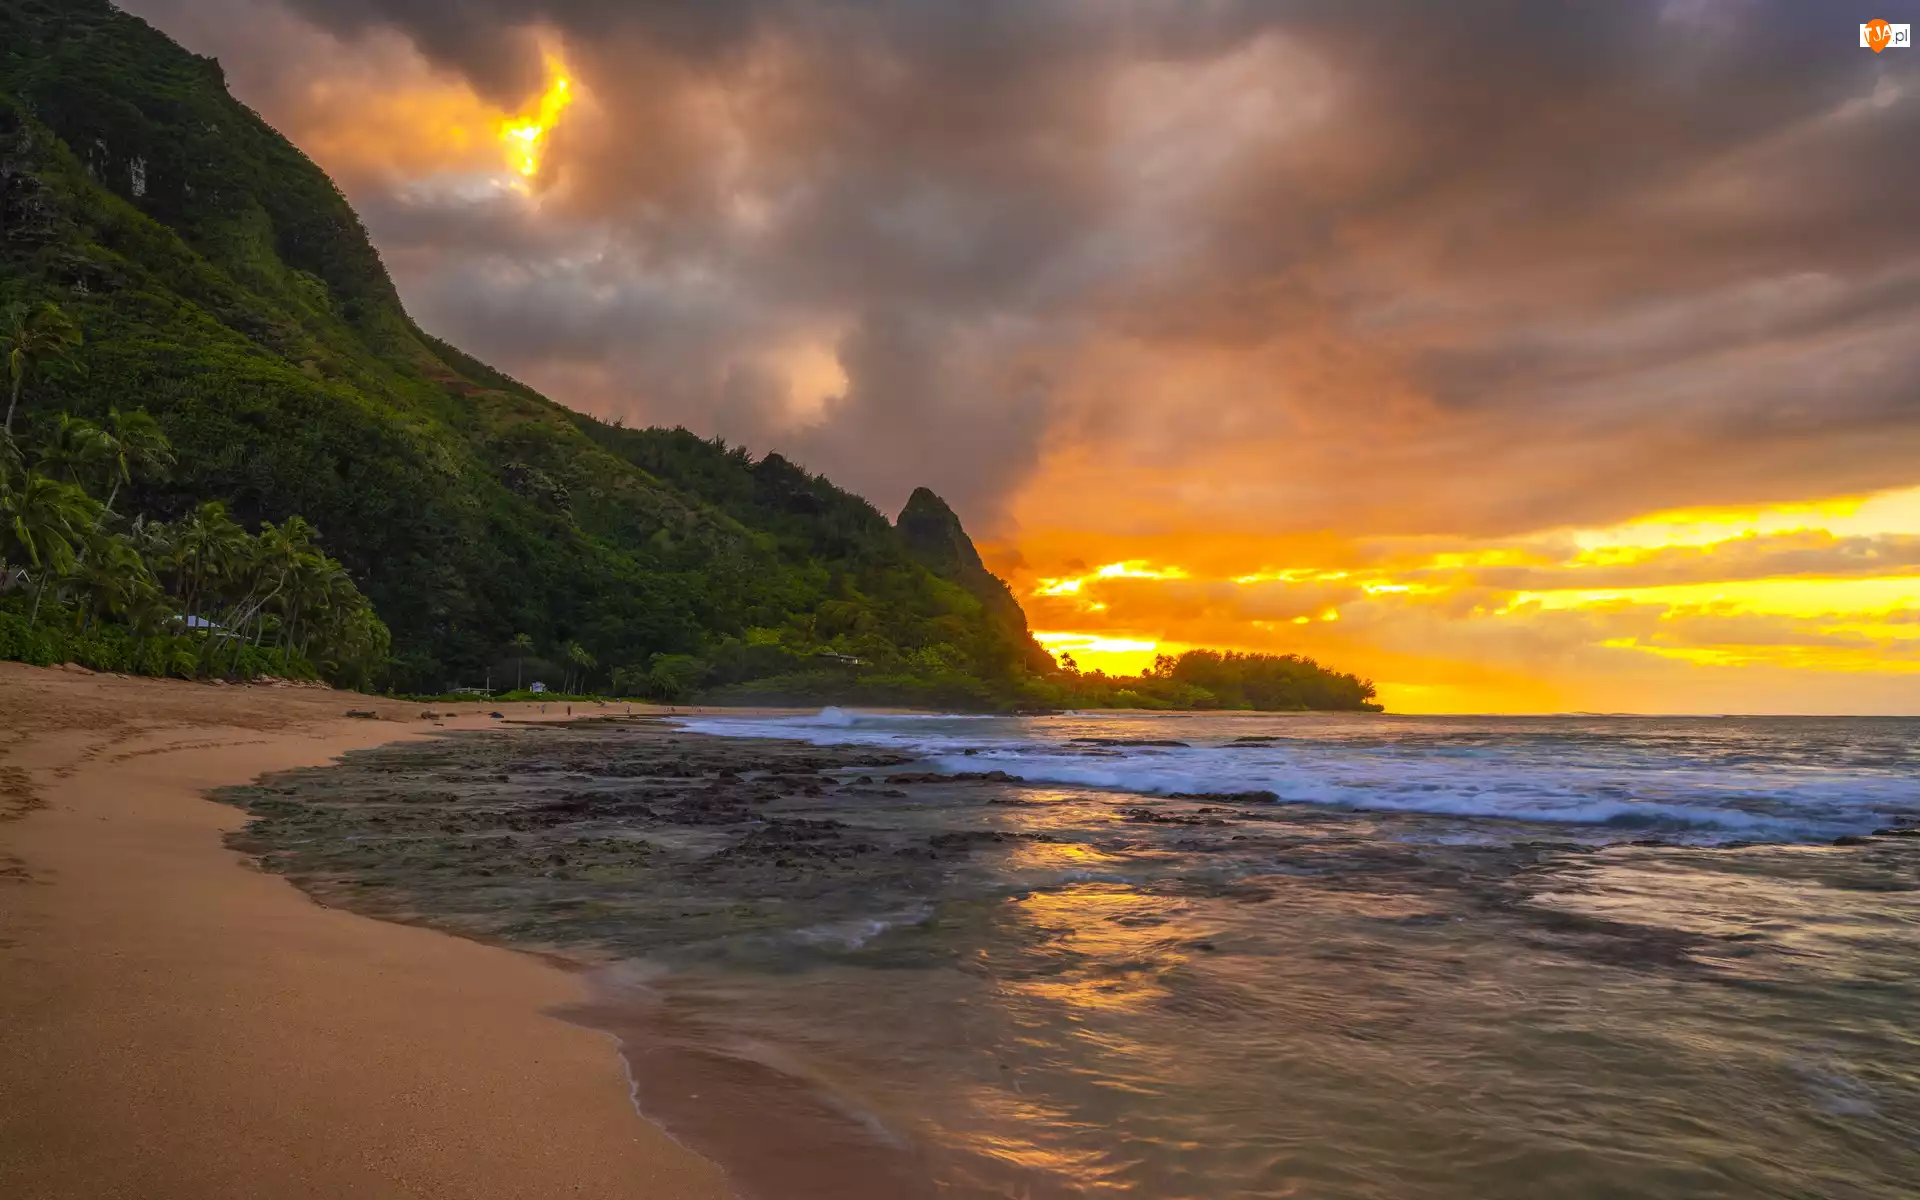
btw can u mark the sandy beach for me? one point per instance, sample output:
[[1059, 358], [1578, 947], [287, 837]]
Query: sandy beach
[[916, 967], [177, 1024]]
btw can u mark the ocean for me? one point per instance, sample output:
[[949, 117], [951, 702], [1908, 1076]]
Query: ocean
[[1704, 779], [1195, 955]]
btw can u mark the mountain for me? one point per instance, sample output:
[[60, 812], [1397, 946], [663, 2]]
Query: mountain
[[934, 536], [225, 285]]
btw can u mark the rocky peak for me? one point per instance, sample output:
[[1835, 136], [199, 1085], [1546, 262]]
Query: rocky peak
[[934, 535]]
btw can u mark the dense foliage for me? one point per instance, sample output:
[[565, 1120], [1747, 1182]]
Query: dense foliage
[[83, 582], [223, 285], [1212, 679]]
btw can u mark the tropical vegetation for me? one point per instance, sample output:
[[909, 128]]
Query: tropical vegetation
[[1214, 679], [250, 376], [199, 596]]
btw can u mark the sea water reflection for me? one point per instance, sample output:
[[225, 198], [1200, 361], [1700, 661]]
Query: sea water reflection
[[845, 979]]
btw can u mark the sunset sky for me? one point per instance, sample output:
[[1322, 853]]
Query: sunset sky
[[1523, 357]]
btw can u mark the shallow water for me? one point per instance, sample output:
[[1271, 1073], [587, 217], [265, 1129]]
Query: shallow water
[[877, 984]]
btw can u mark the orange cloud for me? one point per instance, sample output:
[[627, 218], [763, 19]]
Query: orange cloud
[[1656, 613]]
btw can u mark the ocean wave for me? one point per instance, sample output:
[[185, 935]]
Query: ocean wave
[[1558, 802], [856, 933], [1777, 783]]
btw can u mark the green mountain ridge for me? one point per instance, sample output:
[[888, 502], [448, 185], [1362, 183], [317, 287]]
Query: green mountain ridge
[[226, 287], [225, 284]]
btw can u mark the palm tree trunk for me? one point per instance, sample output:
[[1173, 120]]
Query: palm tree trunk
[[46, 577], [14, 403]]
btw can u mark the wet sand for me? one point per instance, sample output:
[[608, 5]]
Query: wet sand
[[177, 1024]]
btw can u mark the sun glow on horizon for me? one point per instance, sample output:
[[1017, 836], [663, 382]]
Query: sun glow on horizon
[[1654, 612], [1094, 652]]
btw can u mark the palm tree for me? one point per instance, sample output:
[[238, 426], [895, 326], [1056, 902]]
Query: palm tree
[[133, 441], [269, 557], [522, 646], [11, 461], [148, 611], [41, 519], [77, 448], [308, 591], [34, 339], [12, 474], [209, 549], [154, 540], [112, 576], [578, 656], [42, 522]]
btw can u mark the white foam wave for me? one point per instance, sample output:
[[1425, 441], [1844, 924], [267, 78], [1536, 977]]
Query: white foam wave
[[1644, 778], [853, 934]]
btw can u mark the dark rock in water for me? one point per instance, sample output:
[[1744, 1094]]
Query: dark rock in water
[[1907, 832], [968, 839], [1148, 816], [1094, 741], [1230, 797], [1254, 741], [1853, 839]]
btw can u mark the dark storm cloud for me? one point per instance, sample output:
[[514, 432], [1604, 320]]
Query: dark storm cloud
[[1392, 267]]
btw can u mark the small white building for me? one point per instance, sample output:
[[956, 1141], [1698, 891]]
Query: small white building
[[198, 624], [538, 688]]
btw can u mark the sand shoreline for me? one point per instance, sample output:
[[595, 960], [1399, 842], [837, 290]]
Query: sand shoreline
[[178, 1024]]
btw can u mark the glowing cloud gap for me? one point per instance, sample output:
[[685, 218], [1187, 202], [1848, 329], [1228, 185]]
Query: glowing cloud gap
[[1131, 569], [525, 135]]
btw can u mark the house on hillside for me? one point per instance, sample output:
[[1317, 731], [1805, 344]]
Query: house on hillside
[[191, 623]]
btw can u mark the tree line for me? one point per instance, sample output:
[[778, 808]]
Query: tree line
[[199, 596], [1216, 679]]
